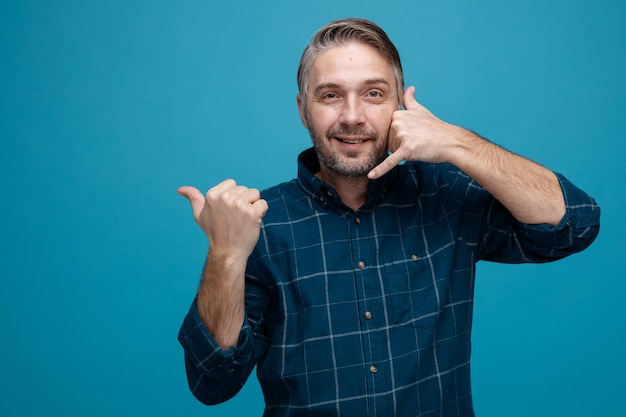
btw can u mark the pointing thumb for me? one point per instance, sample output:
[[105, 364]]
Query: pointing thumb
[[195, 197]]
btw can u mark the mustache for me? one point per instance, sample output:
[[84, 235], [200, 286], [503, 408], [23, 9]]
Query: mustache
[[352, 131]]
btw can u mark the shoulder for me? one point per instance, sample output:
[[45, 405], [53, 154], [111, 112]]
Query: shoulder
[[285, 201], [280, 190]]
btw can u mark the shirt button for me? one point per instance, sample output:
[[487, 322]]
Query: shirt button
[[367, 315], [373, 369], [360, 265], [357, 220], [415, 258]]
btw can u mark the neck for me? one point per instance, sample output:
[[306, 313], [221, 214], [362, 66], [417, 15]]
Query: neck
[[352, 190]]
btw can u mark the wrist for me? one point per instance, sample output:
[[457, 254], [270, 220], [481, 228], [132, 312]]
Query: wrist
[[226, 262], [466, 146]]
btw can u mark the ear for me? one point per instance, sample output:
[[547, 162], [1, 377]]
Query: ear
[[301, 110]]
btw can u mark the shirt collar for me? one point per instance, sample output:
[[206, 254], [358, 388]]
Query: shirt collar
[[326, 195]]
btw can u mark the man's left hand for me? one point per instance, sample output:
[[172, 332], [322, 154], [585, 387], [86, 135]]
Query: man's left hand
[[416, 134]]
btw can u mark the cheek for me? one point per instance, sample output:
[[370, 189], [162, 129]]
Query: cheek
[[322, 120], [381, 120]]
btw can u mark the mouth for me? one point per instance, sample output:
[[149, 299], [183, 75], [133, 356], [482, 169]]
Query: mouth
[[352, 141]]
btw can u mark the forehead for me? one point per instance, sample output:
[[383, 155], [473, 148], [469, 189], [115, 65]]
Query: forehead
[[350, 63]]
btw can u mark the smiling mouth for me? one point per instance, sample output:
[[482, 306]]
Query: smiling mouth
[[352, 141], [352, 135]]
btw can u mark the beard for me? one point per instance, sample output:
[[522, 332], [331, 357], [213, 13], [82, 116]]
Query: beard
[[352, 164]]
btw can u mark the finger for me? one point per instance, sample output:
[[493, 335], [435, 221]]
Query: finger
[[250, 195], [384, 167], [226, 191], [408, 99], [223, 186], [190, 193], [195, 197], [260, 208], [237, 197]]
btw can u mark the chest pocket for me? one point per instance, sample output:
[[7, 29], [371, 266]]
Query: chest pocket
[[411, 292]]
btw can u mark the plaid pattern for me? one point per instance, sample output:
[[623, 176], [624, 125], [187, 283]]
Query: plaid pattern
[[369, 313]]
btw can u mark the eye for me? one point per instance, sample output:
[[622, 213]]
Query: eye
[[329, 98], [375, 96]]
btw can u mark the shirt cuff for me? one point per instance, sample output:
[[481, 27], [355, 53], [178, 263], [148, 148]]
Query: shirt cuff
[[579, 226], [202, 349]]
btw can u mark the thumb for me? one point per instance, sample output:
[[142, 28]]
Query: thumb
[[195, 197], [408, 99]]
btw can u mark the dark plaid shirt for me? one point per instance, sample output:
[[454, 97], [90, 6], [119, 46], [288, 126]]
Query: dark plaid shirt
[[369, 313]]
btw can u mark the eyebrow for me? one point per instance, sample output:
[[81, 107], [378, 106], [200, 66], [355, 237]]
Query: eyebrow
[[331, 85]]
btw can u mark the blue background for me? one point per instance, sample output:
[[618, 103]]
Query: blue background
[[108, 106]]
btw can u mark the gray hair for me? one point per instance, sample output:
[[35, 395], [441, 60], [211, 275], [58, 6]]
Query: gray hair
[[341, 32]]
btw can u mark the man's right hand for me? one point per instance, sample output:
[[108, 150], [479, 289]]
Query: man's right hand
[[230, 215]]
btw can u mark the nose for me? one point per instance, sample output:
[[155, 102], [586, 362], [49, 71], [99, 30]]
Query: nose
[[352, 112]]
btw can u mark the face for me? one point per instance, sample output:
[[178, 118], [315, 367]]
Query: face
[[351, 98]]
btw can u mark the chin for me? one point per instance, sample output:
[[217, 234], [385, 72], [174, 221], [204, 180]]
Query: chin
[[352, 168]]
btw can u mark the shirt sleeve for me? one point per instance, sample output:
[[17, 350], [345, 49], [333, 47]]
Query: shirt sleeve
[[509, 241], [214, 375]]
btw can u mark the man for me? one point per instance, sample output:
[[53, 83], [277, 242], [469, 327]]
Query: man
[[351, 286]]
